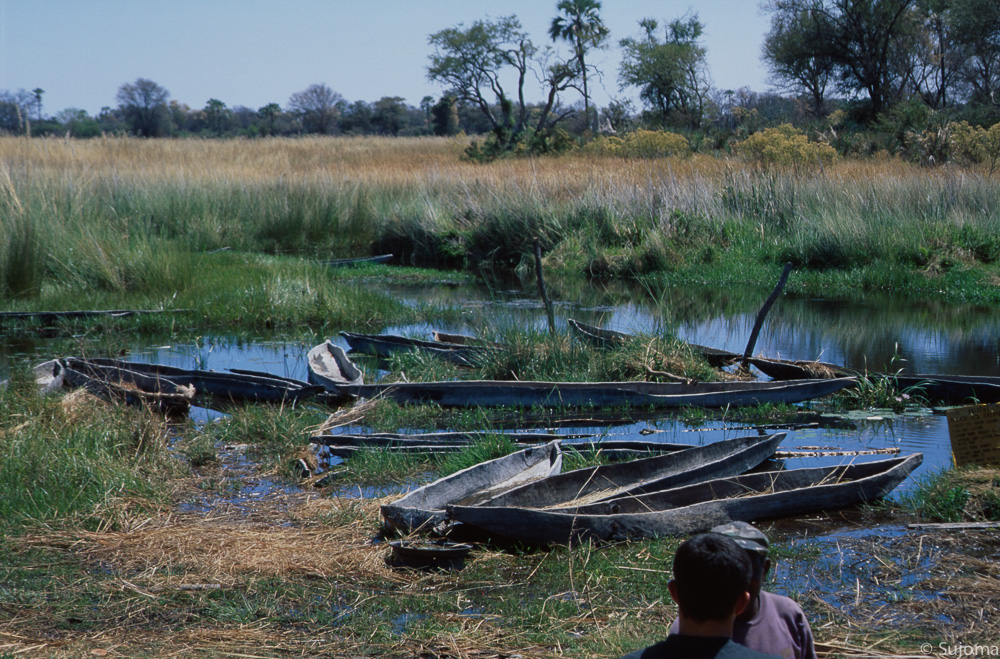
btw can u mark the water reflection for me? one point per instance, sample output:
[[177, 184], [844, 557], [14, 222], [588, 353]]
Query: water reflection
[[927, 337]]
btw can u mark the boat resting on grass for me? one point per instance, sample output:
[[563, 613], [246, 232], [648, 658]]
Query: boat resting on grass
[[605, 338], [220, 386], [515, 393], [116, 384], [423, 508], [330, 367], [387, 345], [694, 508], [716, 460]]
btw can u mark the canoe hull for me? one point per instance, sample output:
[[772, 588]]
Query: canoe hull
[[424, 507], [546, 527], [496, 393]]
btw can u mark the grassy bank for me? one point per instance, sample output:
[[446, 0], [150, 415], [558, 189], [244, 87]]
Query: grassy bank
[[122, 215]]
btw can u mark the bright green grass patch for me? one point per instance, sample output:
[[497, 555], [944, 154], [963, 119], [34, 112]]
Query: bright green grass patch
[[78, 459]]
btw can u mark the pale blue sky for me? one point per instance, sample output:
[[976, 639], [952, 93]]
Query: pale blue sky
[[253, 52]]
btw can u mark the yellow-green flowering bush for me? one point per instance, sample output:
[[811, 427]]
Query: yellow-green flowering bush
[[975, 144], [784, 145], [640, 144]]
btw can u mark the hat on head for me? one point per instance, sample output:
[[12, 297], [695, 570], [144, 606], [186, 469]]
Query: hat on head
[[749, 537]]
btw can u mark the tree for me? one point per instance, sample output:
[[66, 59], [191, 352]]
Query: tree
[[474, 64], [356, 118], [269, 112], [797, 51], [976, 31], [671, 75], [871, 43], [444, 117], [143, 105], [38, 91], [317, 106], [580, 24], [389, 115], [217, 115], [14, 111]]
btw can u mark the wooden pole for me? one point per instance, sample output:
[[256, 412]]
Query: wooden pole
[[541, 286], [744, 365]]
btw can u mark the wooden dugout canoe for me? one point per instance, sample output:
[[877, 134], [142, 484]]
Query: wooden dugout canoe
[[605, 338], [697, 507], [220, 385], [500, 393], [364, 260], [725, 458], [387, 345], [423, 508], [119, 384], [330, 367]]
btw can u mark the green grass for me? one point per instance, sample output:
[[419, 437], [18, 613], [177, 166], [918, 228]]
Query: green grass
[[84, 462]]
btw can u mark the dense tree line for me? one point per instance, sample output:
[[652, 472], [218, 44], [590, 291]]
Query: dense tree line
[[886, 68]]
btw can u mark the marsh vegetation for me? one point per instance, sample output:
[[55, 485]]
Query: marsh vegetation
[[118, 530]]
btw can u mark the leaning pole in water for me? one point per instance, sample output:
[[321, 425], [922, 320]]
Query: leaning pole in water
[[744, 365]]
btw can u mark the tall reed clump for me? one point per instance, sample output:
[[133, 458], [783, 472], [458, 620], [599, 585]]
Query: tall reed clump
[[78, 460]]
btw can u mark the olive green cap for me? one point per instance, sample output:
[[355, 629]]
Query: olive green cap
[[745, 535]]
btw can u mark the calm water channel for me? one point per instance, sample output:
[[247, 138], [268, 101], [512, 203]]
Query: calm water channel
[[874, 333]]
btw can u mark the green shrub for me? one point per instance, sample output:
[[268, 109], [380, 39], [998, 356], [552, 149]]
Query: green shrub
[[641, 144], [974, 144]]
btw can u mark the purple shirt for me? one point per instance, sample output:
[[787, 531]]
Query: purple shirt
[[779, 628]]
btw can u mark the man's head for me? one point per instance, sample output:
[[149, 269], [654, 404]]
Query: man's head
[[711, 577], [753, 540]]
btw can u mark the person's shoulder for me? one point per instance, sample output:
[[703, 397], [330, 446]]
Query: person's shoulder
[[780, 602], [733, 650]]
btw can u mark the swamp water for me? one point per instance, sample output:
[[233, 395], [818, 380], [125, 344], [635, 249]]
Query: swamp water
[[873, 333]]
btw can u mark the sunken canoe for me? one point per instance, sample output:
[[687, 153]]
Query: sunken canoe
[[387, 345], [423, 508], [222, 386], [605, 338], [695, 508], [716, 460], [499, 393], [330, 367]]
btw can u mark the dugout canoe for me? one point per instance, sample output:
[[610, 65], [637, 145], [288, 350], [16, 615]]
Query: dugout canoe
[[118, 384], [222, 386], [695, 508], [947, 389], [716, 460], [461, 340], [387, 345], [528, 393], [606, 338], [423, 508], [364, 260], [330, 367]]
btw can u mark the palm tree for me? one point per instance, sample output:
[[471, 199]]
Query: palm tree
[[580, 24]]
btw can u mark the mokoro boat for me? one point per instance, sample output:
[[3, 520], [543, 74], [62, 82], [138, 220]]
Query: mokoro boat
[[119, 384], [365, 260], [498, 393], [458, 438], [387, 345], [461, 340], [800, 369], [697, 507], [605, 338], [423, 508], [329, 367], [949, 389], [222, 386], [716, 460]]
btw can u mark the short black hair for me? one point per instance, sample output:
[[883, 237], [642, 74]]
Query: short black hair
[[711, 572]]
